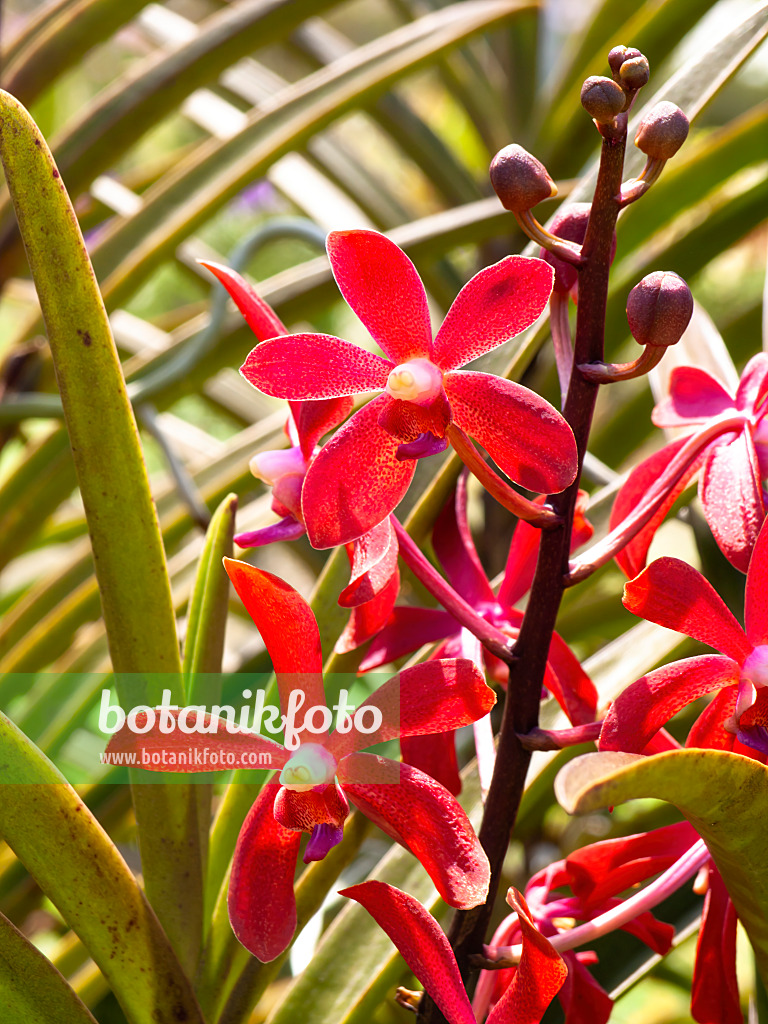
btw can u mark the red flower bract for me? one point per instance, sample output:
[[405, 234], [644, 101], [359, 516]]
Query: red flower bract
[[362, 473]]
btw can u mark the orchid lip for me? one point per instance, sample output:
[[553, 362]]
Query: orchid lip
[[312, 765], [418, 381]]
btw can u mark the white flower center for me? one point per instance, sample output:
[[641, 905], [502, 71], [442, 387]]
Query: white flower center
[[417, 381], [755, 668], [310, 766]]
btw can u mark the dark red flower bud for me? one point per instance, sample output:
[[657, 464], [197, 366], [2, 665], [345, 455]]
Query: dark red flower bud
[[570, 224], [634, 73], [520, 180], [602, 98], [659, 309], [619, 54], [662, 131]]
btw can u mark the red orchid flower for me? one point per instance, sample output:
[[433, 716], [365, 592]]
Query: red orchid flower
[[673, 594], [363, 472], [732, 466], [326, 768], [409, 627], [375, 582], [597, 875], [427, 952]]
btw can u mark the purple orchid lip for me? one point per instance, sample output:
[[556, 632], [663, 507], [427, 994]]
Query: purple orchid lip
[[426, 444], [323, 839]]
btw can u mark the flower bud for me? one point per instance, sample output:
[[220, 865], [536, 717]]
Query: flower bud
[[520, 180], [662, 131], [634, 73], [571, 225], [619, 54], [602, 98], [659, 309]]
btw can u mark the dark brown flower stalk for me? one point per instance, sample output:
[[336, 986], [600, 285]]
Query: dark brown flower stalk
[[528, 661]]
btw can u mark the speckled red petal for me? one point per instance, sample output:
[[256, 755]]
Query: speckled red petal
[[421, 943], [524, 435], [497, 304], [355, 481], [262, 907], [383, 287]]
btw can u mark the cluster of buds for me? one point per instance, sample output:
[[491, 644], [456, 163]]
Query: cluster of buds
[[660, 306]]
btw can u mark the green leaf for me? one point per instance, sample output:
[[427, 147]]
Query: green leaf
[[137, 101], [207, 616], [57, 39], [217, 170], [77, 866], [723, 795], [31, 989], [125, 536]]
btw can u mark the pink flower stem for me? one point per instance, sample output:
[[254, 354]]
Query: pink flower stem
[[684, 868], [537, 515], [490, 637], [621, 535]]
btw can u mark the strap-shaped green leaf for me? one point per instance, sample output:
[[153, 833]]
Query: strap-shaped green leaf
[[217, 170], [31, 989], [58, 38], [125, 536], [723, 795], [77, 866]]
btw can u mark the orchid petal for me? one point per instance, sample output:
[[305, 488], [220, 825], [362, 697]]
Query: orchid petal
[[374, 562], [383, 287], [300, 366], [732, 496], [258, 314], [709, 730], [583, 999], [715, 990], [286, 529], [694, 396], [756, 597], [605, 869], [314, 419], [431, 697], [753, 384], [455, 549], [524, 435], [631, 558], [366, 620], [672, 593], [496, 305], [421, 943], [422, 816], [408, 629], [645, 705], [521, 563], [539, 976], [262, 907], [576, 693], [206, 735], [288, 628], [434, 755], [355, 480]]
